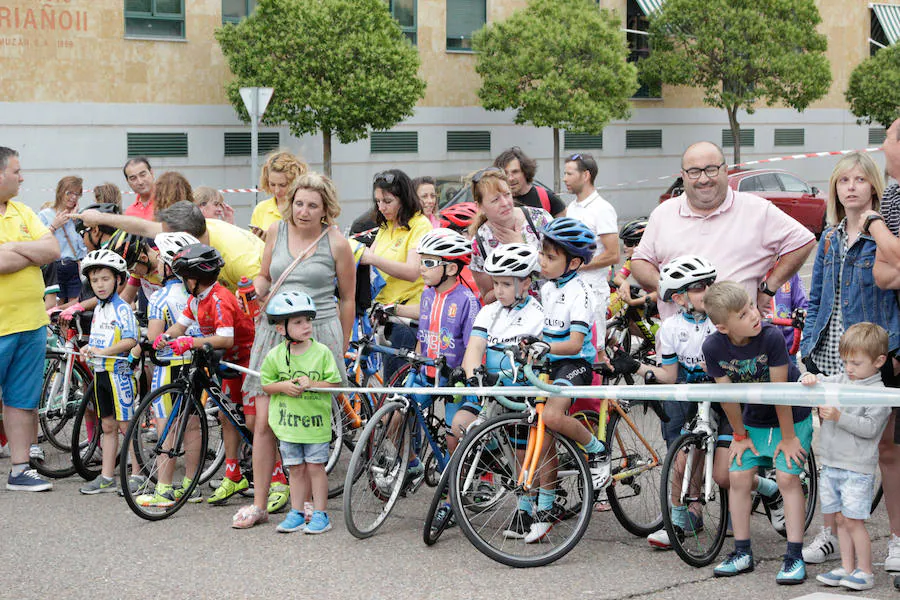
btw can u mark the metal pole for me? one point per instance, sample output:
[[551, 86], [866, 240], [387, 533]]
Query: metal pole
[[254, 144]]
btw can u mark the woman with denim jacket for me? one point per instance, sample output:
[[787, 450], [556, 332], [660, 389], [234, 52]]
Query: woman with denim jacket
[[843, 290]]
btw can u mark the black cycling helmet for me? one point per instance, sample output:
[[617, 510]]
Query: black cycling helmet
[[632, 231], [110, 209], [200, 262], [129, 246]]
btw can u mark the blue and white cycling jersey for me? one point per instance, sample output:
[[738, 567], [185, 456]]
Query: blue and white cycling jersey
[[568, 307], [113, 322], [502, 326], [165, 305], [680, 340]]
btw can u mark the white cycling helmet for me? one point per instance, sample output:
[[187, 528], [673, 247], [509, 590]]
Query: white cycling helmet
[[512, 260], [170, 243], [104, 258], [683, 271], [445, 243]]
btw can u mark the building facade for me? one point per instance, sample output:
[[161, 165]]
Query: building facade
[[87, 83]]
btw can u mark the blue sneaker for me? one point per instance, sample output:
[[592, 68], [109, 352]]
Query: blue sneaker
[[320, 523], [736, 563], [793, 571], [832, 577], [295, 521], [28, 481]]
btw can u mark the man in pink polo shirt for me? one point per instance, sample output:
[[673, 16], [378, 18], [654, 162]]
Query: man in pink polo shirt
[[139, 175], [740, 233]]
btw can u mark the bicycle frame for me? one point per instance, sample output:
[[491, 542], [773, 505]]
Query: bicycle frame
[[707, 427]]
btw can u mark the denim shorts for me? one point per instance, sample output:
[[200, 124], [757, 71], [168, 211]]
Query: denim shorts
[[766, 439], [846, 492], [296, 454]]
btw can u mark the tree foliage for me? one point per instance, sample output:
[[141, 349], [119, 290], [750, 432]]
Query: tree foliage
[[740, 53], [342, 67], [559, 64], [874, 88]]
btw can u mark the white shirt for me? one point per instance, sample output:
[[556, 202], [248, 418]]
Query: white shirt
[[600, 217], [680, 340]]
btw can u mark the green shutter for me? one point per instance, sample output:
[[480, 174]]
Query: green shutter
[[468, 141], [582, 141], [157, 144], [238, 143], [643, 138], [877, 136], [463, 18], [748, 138], [394, 141], [790, 137]]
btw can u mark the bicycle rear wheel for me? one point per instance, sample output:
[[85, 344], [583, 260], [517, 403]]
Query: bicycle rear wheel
[[636, 469], [377, 470], [699, 537], [485, 493], [346, 428], [56, 416]]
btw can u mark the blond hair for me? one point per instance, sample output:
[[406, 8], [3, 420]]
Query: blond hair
[[723, 299], [834, 209], [324, 187], [490, 181], [868, 338], [281, 162], [205, 194]]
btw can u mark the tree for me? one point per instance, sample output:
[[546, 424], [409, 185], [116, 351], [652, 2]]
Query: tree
[[559, 64], [874, 88], [342, 67], [741, 53]]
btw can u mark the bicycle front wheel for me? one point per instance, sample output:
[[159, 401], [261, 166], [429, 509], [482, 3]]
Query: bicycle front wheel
[[349, 415], [699, 533], [86, 432], [637, 455], [486, 496], [377, 470], [436, 521]]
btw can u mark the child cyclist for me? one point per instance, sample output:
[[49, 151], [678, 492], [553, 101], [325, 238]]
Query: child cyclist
[[163, 309], [848, 453], [114, 332], [300, 419], [630, 234], [222, 325], [745, 350], [567, 245]]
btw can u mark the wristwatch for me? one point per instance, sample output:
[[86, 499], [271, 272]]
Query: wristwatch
[[764, 288], [868, 222]]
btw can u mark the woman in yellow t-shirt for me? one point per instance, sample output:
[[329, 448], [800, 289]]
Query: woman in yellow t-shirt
[[278, 175], [401, 225]]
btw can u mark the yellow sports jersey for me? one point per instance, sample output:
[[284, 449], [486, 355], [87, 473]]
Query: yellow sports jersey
[[241, 250], [22, 292], [265, 214], [394, 243]]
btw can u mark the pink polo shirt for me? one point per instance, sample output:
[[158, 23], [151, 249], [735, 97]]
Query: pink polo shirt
[[144, 211], [742, 238]]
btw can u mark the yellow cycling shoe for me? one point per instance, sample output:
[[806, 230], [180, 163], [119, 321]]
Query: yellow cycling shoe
[[227, 489], [278, 497]]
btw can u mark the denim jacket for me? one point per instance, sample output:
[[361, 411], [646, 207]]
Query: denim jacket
[[861, 299]]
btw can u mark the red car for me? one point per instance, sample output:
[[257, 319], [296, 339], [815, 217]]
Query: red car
[[788, 192]]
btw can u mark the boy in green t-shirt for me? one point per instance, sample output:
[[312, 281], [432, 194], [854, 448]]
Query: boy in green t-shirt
[[300, 419]]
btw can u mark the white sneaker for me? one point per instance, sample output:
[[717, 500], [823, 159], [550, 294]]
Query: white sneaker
[[659, 540], [4, 451], [823, 547], [892, 561]]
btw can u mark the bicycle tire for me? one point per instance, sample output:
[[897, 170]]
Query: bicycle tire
[[701, 546], [397, 380], [362, 404], [86, 450], [434, 528], [809, 481], [185, 410], [56, 417], [489, 452], [377, 470], [635, 499], [215, 445], [876, 499]]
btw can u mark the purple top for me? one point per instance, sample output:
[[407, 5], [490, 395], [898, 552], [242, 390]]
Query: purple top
[[788, 297]]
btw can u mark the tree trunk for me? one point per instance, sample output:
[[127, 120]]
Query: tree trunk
[[735, 132], [556, 160], [326, 152]]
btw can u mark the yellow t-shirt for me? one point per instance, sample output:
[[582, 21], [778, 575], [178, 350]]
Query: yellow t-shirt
[[241, 250], [265, 214], [22, 292], [395, 243]]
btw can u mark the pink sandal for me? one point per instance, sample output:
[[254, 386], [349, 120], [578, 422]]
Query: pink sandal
[[248, 516]]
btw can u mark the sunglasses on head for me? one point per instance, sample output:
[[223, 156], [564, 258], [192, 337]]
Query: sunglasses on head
[[384, 176], [430, 263], [479, 175]]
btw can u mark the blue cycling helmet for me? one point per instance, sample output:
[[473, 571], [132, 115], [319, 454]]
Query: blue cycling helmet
[[290, 304], [573, 236]]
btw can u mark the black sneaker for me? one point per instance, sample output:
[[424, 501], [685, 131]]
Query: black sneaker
[[897, 582], [519, 526], [444, 514]]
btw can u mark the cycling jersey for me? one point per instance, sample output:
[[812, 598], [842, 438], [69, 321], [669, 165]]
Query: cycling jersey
[[216, 312], [680, 340], [165, 305], [568, 308], [499, 325], [150, 283], [445, 323], [113, 322]]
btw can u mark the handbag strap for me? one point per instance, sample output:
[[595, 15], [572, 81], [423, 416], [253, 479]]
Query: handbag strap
[[297, 261]]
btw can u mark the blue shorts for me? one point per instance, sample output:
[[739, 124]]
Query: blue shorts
[[765, 439], [293, 454], [846, 492], [22, 368]]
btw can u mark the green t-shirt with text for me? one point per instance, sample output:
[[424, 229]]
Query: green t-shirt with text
[[307, 419]]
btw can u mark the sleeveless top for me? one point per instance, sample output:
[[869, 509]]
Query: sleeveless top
[[315, 275]]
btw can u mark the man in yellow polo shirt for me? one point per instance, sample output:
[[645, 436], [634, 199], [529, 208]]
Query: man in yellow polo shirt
[[25, 245]]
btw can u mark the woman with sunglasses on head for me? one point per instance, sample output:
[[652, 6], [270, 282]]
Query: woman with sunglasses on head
[[401, 225], [499, 221]]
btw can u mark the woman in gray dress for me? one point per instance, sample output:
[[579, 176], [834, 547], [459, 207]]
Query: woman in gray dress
[[326, 258]]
